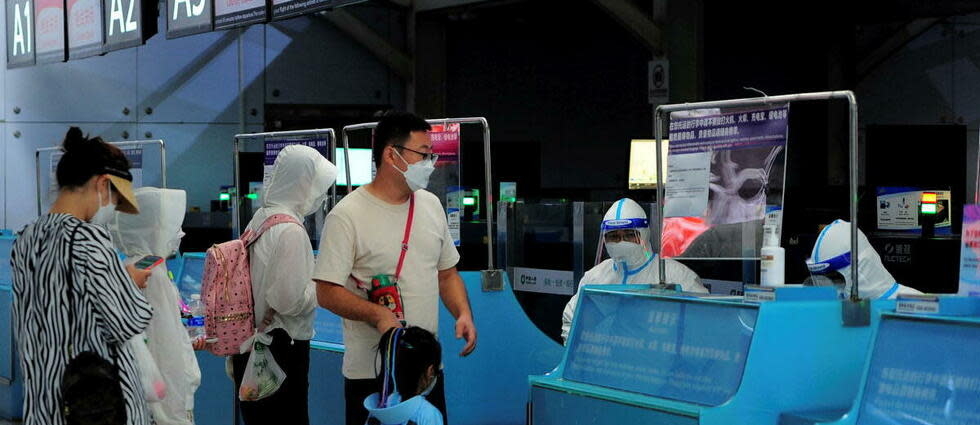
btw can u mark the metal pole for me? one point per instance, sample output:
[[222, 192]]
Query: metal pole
[[736, 103], [333, 187], [163, 154], [331, 155], [659, 133], [37, 172], [489, 194], [163, 164], [350, 184], [853, 136], [331, 134], [286, 133], [752, 101], [122, 144], [235, 220]]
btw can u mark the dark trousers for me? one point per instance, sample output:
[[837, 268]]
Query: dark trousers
[[356, 390], [289, 405]]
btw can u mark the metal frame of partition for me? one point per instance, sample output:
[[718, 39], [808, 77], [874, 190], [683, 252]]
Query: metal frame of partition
[[237, 199], [847, 95], [121, 144], [486, 157]]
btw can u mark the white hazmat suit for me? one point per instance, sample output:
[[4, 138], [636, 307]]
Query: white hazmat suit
[[832, 255], [630, 263], [157, 231]]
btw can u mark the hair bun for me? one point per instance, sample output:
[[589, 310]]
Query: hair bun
[[74, 139]]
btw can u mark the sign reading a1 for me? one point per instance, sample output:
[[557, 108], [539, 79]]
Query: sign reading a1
[[189, 17], [125, 25], [20, 33]]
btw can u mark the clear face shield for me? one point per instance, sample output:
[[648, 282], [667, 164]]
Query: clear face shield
[[828, 272], [615, 232]]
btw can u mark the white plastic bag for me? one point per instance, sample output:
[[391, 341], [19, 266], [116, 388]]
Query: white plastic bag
[[154, 387], [263, 376], [172, 351]]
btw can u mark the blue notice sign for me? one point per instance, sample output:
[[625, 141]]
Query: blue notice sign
[[923, 372], [693, 132], [273, 146], [671, 348]]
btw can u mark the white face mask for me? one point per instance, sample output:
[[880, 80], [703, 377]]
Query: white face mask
[[319, 204], [105, 212], [633, 254], [417, 174]]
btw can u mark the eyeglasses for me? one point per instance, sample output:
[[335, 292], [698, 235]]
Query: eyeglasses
[[426, 156], [622, 236]]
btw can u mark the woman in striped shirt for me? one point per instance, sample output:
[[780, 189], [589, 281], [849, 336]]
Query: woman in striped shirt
[[105, 307]]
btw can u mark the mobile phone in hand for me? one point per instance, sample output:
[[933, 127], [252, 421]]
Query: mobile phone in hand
[[149, 262]]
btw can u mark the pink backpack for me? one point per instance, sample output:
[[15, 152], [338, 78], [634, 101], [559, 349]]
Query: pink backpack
[[229, 311]]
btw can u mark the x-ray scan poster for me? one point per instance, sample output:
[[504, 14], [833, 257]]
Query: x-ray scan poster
[[724, 167]]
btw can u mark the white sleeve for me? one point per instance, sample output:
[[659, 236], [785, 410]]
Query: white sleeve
[[690, 281], [289, 289], [566, 317], [569, 313]]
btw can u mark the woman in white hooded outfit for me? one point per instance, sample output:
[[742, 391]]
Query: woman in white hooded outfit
[[626, 236], [830, 264], [156, 231], [281, 263]]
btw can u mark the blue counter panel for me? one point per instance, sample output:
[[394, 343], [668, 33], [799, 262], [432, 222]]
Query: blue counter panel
[[11, 388], [692, 352], [559, 408], [326, 387], [7, 347], [191, 273], [6, 244], [923, 372], [489, 387]]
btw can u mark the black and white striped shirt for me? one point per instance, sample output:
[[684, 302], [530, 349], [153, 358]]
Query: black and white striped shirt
[[108, 309]]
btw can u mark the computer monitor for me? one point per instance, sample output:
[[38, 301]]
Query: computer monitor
[[360, 167], [643, 164]]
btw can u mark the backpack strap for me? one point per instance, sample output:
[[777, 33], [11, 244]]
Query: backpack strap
[[408, 234], [249, 237]]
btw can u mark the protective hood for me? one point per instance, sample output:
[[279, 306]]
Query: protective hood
[[154, 229], [398, 414], [154, 232], [831, 253], [626, 214], [299, 181]]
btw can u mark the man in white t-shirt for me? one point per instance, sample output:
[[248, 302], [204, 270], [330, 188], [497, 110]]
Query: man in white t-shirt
[[362, 238]]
